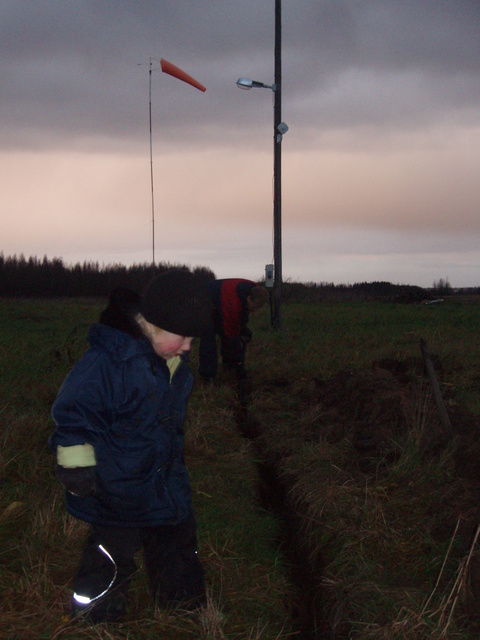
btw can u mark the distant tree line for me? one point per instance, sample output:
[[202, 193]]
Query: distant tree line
[[381, 291], [35, 277], [329, 292]]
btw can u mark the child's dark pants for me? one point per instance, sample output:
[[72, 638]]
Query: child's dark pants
[[107, 567]]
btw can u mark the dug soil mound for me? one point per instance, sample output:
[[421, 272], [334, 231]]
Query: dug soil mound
[[377, 409]]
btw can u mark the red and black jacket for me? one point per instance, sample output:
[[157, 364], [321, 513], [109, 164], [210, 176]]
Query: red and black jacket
[[229, 299]]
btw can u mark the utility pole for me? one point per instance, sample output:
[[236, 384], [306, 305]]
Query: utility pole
[[279, 128], [277, 171]]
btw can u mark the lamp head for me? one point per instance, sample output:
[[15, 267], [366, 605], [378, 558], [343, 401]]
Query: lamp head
[[244, 83]]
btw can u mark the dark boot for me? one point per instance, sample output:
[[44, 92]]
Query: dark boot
[[173, 566], [105, 572]]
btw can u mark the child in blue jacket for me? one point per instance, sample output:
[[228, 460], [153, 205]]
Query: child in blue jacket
[[119, 445]]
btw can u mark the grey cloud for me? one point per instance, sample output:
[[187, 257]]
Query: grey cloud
[[71, 71]]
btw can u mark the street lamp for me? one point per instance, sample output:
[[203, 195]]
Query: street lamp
[[279, 128], [246, 83]]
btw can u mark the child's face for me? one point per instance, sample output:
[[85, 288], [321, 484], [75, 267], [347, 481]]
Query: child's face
[[167, 345]]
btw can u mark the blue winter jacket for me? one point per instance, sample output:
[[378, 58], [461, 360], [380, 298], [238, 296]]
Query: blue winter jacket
[[120, 399]]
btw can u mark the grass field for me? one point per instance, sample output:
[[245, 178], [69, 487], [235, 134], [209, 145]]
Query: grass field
[[305, 531]]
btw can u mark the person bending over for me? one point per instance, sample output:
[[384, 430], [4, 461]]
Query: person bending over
[[233, 299]]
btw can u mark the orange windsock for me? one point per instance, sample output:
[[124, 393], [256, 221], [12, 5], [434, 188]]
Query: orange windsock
[[176, 72]]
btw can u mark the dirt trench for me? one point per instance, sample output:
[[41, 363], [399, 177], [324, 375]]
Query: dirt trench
[[373, 409], [305, 606]]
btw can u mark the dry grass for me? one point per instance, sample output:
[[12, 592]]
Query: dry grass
[[394, 550]]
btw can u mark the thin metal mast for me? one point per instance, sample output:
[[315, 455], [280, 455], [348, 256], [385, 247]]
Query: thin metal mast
[[151, 158]]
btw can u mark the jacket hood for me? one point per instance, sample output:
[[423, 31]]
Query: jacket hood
[[118, 343], [122, 307]]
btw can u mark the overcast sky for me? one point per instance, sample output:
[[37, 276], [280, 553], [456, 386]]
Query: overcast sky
[[380, 166]]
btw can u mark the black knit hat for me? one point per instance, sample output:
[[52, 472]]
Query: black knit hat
[[178, 302]]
